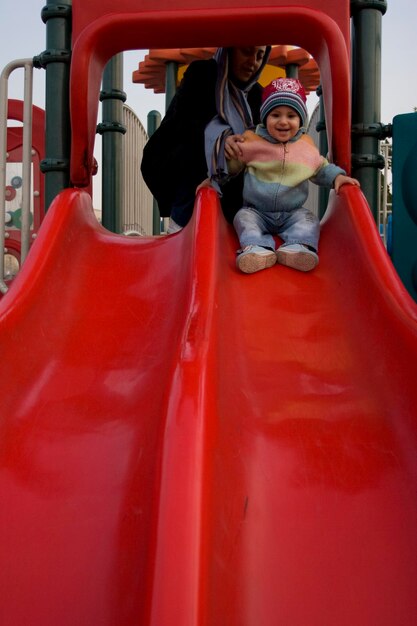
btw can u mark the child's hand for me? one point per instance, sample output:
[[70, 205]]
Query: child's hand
[[341, 179], [231, 148]]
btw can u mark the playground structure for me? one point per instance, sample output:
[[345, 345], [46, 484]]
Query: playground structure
[[187, 445]]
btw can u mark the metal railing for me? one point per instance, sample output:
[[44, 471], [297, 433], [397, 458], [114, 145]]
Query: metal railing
[[27, 65], [385, 207]]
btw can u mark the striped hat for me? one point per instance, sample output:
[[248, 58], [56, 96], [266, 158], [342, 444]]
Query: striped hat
[[284, 92]]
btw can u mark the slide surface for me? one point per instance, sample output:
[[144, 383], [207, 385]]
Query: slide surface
[[185, 445]]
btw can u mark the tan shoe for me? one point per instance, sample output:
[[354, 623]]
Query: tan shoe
[[297, 256], [254, 258]]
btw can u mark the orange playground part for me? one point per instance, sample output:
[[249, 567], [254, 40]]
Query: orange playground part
[[151, 71], [187, 445]]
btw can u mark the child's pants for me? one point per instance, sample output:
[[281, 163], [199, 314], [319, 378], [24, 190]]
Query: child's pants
[[255, 228]]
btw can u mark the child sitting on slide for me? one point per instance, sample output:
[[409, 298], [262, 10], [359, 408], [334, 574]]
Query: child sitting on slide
[[279, 160]]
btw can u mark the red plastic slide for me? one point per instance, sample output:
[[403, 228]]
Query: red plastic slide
[[185, 445]]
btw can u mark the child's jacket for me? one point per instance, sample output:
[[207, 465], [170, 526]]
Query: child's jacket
[[277, 174]]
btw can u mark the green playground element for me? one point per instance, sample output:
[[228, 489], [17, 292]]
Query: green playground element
[[404, 200], [153, 122], [17, 218], [57, 15], [367, 129]]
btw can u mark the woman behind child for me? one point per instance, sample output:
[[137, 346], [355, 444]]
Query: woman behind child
[[220, 95], [279, 160]]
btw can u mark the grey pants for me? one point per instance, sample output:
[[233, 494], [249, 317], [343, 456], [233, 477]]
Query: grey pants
[[257, 228]]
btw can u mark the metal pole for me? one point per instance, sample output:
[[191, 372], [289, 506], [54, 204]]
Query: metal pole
[[367, 129], [291, 70], [4, 77], [27, 162], [112, 129], [171, 79], [56, 59], [153, 122], [171, 76], [26, 159], [323, 148]]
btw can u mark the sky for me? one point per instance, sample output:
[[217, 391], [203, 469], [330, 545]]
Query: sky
[[22, 35]]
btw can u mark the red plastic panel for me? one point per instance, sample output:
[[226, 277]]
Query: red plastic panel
[[86, 13], [15, 112], [100, 34], [14, 144], [185, 444]]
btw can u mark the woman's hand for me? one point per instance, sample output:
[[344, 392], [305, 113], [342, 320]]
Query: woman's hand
[[232, 149]]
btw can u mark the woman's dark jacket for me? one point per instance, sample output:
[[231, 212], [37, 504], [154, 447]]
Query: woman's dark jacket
[[174, 157]]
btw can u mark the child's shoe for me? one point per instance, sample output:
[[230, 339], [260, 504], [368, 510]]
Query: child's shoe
[[298, 256], [254, 258]]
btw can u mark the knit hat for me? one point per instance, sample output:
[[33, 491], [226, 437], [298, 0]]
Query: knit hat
[[284, 92]]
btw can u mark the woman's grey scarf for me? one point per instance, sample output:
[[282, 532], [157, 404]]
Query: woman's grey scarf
[[233, 115]]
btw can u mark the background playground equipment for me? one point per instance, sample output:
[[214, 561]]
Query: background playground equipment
[[23, 166], [23, 208], [188, 445]]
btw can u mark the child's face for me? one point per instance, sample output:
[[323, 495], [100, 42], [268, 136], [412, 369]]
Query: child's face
[[283, 123]]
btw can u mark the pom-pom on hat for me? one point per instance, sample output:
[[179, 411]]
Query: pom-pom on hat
[[284, 92]]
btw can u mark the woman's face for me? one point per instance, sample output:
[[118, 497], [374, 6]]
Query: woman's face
[[245, 62]]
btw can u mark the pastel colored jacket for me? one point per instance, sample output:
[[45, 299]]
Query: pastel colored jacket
[[277, 174]]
